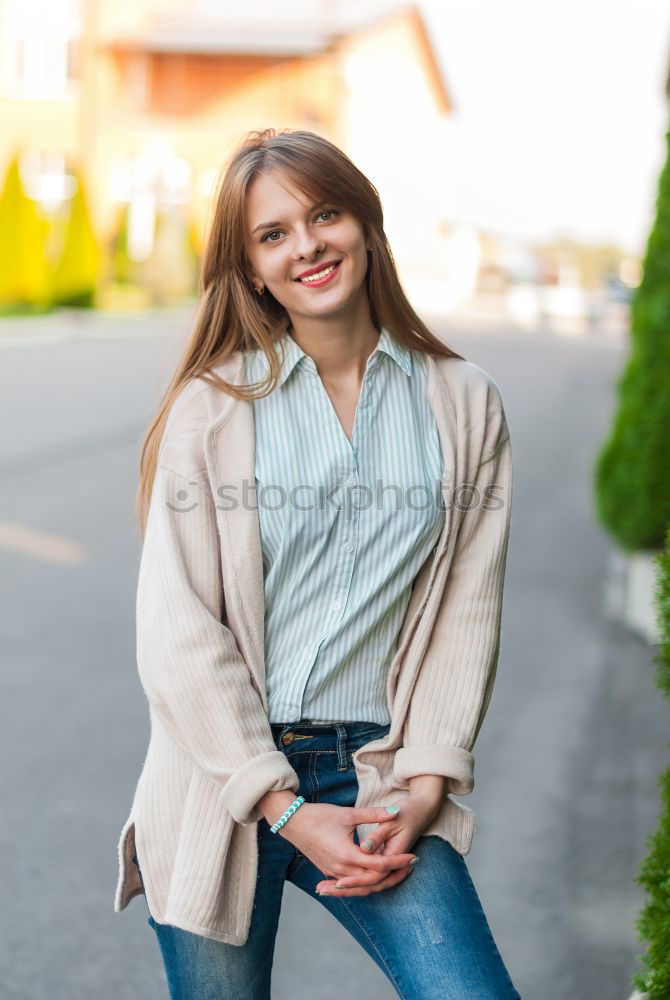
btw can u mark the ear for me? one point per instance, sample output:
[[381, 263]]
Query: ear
[[256, 283], [248, 269]]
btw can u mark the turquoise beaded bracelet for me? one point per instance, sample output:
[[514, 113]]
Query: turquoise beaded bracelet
[[289, 812]]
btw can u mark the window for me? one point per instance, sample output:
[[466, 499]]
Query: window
[[39, 45]]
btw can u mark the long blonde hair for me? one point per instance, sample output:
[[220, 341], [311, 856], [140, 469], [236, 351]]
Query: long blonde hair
[[231, 316]]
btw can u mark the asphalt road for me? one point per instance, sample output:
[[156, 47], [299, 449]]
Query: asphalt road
[[566, 761]]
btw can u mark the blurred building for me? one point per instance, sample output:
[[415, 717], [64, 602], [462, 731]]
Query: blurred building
[[151, 96]]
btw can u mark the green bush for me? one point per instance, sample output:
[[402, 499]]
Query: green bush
[[653, 925], [632, 474], [76, 272], [121, 266], [24, 268]]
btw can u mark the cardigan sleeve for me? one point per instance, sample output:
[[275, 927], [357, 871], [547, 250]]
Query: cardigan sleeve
[[189, 663], [455, 680]]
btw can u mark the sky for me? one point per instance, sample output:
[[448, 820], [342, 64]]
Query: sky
[[559, 114]]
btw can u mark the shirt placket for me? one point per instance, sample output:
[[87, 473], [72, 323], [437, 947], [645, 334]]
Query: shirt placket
[[348, 524]]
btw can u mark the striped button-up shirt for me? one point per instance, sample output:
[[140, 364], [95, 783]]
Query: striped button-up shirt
[[345, 527]]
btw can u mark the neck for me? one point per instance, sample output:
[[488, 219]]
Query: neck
[[339, 349]]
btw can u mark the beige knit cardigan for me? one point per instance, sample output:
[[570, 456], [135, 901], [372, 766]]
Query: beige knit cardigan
[[200, 651]]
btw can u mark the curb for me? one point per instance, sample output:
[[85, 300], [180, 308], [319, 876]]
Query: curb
[[628, 593]]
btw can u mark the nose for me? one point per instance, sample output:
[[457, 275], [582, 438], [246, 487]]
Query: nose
[[307, 245]]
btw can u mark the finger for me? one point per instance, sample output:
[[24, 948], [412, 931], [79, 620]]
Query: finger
[[372, 814], [367, 878], [379, 862], [376, 840], [350, 881], [372, 843], [385, 883]]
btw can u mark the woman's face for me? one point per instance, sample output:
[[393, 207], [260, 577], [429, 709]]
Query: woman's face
[[302, 237]]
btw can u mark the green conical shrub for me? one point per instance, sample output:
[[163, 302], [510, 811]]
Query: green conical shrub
[[121, 266], [632, 475], [24, 268], [653, 925], [76, 272]]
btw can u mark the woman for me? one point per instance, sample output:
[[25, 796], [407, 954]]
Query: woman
[[317, 629]]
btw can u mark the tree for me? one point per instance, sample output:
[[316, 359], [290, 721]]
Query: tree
[[632, 476], [24, 268], [653, 925], [76, 272]]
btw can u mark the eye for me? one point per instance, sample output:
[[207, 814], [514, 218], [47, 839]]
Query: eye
[[325, 211], [329, 211]]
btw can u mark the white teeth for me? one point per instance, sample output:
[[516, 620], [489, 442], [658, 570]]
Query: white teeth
[[321, 274]]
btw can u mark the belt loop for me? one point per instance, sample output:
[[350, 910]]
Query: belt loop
[[342, 759]]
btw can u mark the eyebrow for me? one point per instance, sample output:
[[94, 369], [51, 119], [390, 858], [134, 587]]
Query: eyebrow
[[278, 222]]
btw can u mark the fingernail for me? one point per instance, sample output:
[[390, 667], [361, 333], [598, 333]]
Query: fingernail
[[323, 893], [393, 809], [413, 861], [368, 844]]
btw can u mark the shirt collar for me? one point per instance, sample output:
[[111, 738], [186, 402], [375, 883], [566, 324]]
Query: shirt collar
[[257, 363], [400, 354], [293, 353]]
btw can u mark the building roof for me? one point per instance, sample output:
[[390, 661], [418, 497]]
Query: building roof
[[304, 28]]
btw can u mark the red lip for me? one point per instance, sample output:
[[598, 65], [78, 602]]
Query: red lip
[[315, 270]]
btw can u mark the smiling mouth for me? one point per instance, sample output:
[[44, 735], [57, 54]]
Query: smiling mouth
[[321, 277]]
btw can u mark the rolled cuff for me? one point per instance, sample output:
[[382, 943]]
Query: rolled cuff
[[453, 763], [267, 772]]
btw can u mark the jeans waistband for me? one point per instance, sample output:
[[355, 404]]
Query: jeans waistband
[[340, 733], [326, 728]]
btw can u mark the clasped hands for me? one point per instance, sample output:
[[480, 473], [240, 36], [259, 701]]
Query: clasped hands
[[324, 834]]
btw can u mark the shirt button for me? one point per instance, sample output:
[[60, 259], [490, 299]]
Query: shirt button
[[348, 548], [351, 481], [336, 605]]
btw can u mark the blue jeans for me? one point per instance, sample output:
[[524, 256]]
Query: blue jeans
[[428, 933]]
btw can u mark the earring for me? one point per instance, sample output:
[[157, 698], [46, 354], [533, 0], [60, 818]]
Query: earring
[[260, 290]]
